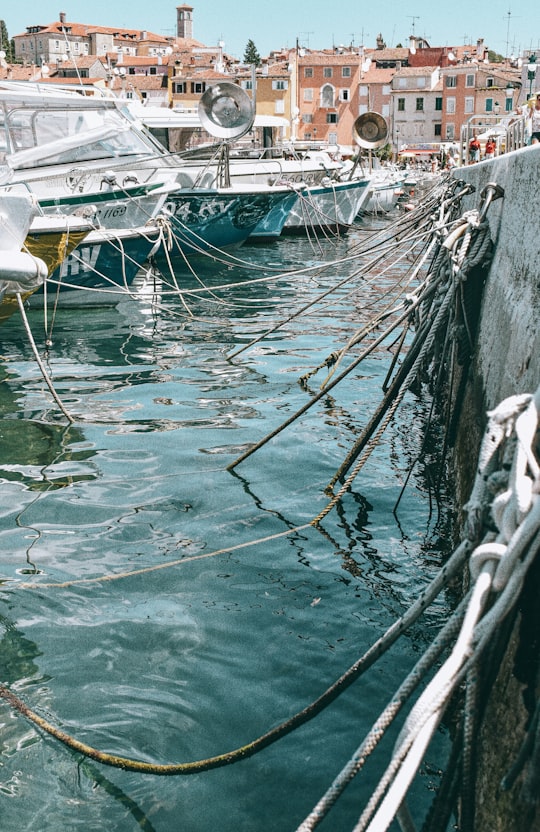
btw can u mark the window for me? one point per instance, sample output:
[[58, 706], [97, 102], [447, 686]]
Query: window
[[386, 89], [421, 82], [469, 104], [509, 105], [345, 72], [307, 118], [153, 70], [332, 138], [327, 73], [363, 90], [438, 103], [401, 105], [490, 82], [402, 83], [385, 110], [308, 94], [437, 130], [327, 96], [198, 87], [450, 132], [451, 81], [469, 80], [331, 118], [246, 85], [344, 95], [280, 84], [279, 106], [308, 72], [450, 104], [180, 88], [419, 105], [489, 105]]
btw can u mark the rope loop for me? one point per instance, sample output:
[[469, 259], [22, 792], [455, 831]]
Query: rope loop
[[483, 553], [506, 492]]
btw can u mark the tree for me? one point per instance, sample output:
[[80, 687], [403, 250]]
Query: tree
[[5, 44], [251, 56]]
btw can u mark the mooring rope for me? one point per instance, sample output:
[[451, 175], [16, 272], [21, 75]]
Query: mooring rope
[[39, 362], [496, 565], [395, 631], [499, 564], [366, 435]]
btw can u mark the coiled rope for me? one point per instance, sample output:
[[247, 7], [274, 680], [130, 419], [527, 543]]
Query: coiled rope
[[498, 564]]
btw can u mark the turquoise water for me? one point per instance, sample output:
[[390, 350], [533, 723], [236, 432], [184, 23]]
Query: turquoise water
[[197, 659]]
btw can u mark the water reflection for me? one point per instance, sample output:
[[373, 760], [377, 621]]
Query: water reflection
[[195, 659]]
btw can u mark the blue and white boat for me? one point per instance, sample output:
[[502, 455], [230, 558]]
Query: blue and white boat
[[331, 206], [87, 156], [102, 268], [211, 220]]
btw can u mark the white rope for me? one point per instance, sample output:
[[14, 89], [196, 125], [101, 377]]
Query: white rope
[[39, 362], [497, 565]]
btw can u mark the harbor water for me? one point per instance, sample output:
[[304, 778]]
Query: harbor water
[[243, 625]]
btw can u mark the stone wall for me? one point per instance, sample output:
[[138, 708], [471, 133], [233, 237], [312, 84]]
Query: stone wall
[[507, 361]]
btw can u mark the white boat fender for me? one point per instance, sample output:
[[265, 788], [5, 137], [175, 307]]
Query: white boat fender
[[23, 270]]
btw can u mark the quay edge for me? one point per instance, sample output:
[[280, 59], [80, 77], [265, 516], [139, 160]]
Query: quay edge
[[506, 362]]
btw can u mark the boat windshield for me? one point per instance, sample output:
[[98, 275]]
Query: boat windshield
[[35, 137]]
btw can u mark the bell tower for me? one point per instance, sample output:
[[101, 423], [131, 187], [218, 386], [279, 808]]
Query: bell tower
[[184, 22]]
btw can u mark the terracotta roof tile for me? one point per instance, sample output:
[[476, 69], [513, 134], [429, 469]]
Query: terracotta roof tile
[[85, 29], [146, 82], [414, 71], [378, 76]]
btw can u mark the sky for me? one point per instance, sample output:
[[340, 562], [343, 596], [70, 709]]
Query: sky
[[506, 27]]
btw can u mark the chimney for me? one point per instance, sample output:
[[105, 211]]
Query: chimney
[[62, 17]]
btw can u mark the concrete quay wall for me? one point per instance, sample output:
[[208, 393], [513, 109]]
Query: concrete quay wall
[[506, 362], [508, 359]]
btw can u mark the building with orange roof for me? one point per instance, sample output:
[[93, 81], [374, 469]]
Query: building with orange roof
[[42, 44], [325, 94], [426, 94]]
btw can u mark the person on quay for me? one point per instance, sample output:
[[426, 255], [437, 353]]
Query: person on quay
[[474, 150], [490, 148], [534, 115]]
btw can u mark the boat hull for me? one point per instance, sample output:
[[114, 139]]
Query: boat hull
[[101, 270], [210, 221], [383, 198], [271, 226], [333, 207], [21, 273]]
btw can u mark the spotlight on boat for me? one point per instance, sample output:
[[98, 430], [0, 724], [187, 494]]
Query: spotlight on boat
[[370, 130], [226, 111]]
